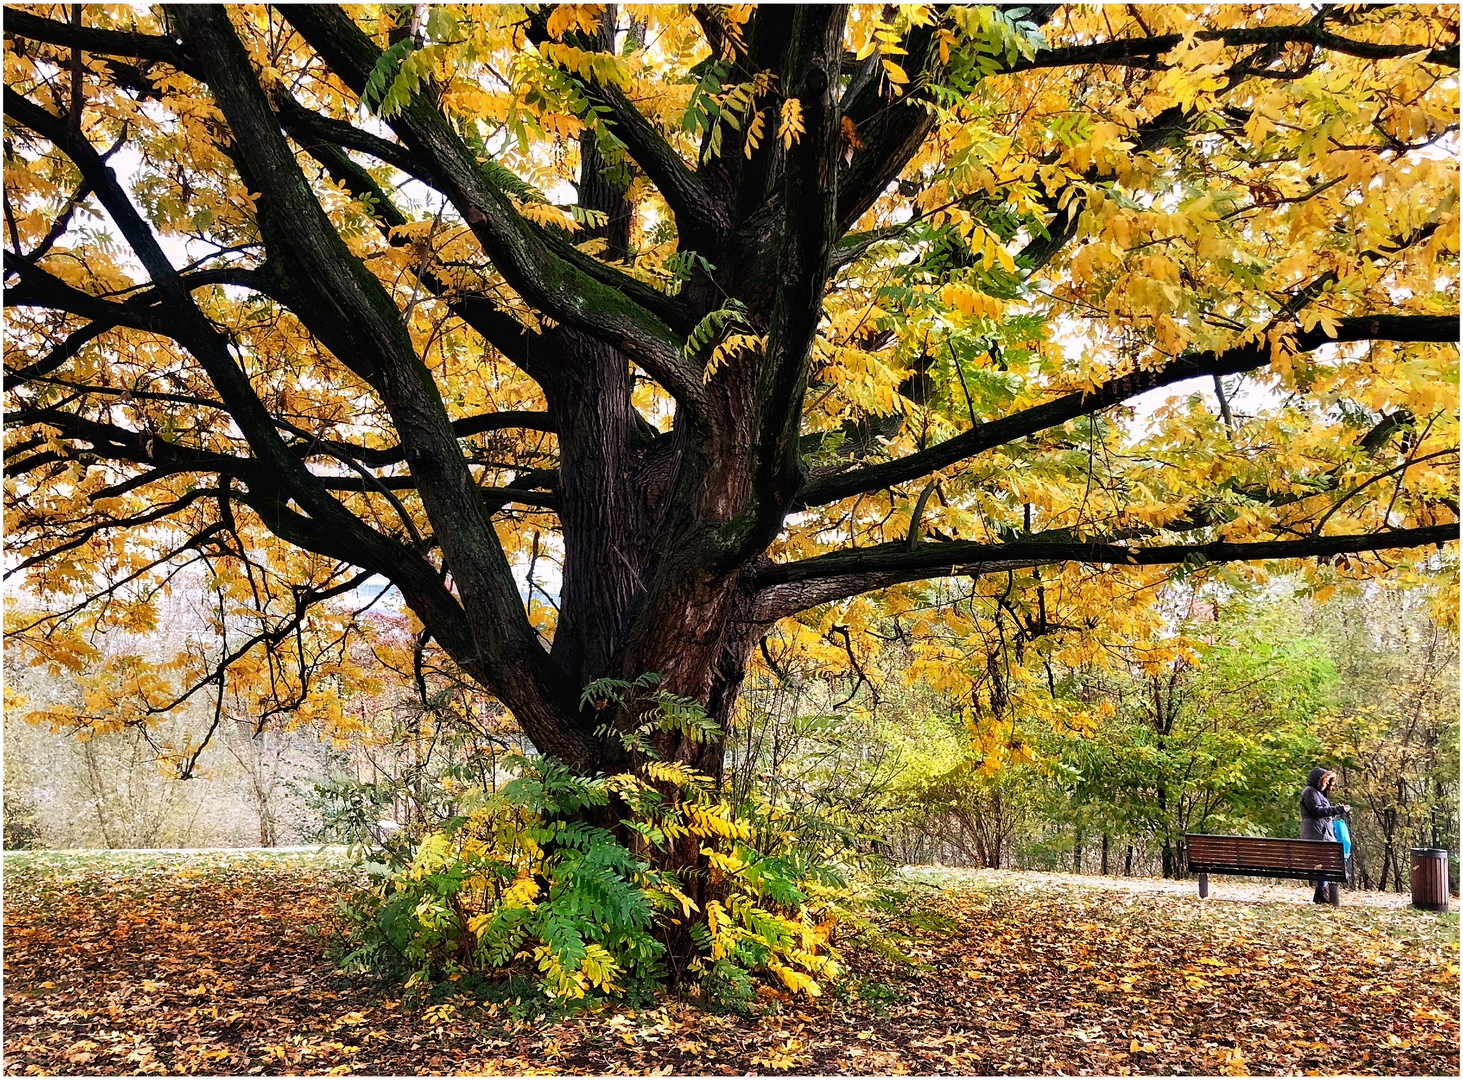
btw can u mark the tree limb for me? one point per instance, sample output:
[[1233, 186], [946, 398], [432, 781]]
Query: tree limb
[[557, 283], [101, 42], [826, 489], [891, 133], [310, 130], [38, 288], [1142, 51], [809, 180], [702, 216], [787, 588], [330, 528], [503, 647], [464, 428]]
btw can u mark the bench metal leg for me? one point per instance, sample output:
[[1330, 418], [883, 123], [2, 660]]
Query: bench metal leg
[[1335, 894], [1203, 886]]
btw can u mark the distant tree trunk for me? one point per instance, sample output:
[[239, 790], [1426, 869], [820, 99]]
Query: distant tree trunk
[[1128, 862], [268, 834], [1360, 868], [1105, 842], [1390, 856], [1160, 797], [93, 775], [987, 823]]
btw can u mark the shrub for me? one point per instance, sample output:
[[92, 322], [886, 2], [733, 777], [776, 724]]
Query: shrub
[[565, 876]]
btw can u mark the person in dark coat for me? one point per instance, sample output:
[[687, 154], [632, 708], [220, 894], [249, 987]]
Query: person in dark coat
[[1316, 814]]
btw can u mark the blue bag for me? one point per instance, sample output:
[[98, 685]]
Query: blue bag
[[1340, 831]]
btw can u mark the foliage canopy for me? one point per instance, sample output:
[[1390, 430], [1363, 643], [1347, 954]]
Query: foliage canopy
[[731, 315]]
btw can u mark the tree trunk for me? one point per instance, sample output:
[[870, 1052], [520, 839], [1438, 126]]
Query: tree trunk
[[1391, 857]]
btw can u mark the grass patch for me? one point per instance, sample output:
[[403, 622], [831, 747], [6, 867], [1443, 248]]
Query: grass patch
[[90, 862]]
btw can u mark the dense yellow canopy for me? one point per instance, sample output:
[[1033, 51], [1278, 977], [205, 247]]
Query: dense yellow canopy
[[841, 337]]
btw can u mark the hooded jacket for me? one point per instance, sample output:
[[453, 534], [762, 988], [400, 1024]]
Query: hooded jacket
[[1316, 811]]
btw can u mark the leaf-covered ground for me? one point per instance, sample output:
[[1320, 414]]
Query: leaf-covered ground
[[214, 963]]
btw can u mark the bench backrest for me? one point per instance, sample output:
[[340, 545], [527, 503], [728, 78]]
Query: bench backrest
[[1277, 855]]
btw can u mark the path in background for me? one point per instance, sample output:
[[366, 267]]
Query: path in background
[[1221, 888], [211, 963]]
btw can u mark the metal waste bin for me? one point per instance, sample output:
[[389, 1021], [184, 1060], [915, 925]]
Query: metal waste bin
[[1430, 878]]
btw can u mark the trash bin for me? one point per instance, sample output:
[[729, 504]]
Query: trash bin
[[1430, 878]]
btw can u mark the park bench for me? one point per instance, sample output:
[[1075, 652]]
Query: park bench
[[1266, 856]]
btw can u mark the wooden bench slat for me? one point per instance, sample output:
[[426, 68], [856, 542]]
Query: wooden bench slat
[[1269, 859], [1266, 856]]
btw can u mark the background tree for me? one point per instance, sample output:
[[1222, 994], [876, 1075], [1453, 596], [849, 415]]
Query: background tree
[[427, 737], [1393, 730], [80, 778], [1208, 732], [733, 314]]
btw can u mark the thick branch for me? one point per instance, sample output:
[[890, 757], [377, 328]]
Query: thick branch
[[142, 311], [788, 588], [504, 648], [522, 346], [552, 280], [329, 528], [1414, 328], [1142, 51], [1165, 128], [809, 229], [702, 217], [891, 132], [497, 497], [39, 288], [118, 443], [464, 428], [310, 129], [100, 42], [853, 246]]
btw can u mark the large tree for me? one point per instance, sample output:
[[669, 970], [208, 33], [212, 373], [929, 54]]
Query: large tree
[[728, 313]]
